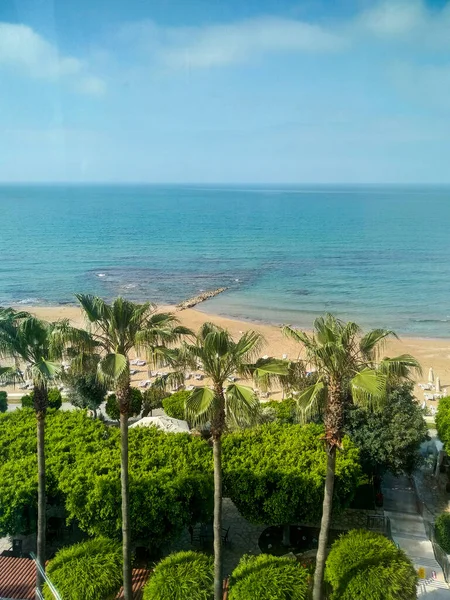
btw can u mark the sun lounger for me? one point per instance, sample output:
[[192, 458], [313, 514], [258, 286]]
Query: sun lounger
[[198, 376], [140, 363]]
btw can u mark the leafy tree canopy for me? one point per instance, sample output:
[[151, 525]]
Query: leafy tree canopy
[[443, 421], [85, 391], [3, 402], [366, 565], [275, 473], [112, 405], [174, 405], [170, 476], [151, 399], [389, 439]]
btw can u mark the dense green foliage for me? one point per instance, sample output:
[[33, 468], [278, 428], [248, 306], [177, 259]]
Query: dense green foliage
[[174, 405], [3, 402], [112, 405], [266, 577], [91, 570], [284, 411], [443, 421], [182, 576], [275, 473], [85, 391], [442, 531], [363, 565], [54, 399], [389, 439], [170, 476], [152, 399]]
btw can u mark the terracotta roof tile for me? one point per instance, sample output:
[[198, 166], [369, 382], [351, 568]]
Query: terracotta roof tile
[[140, 577], [17, 578]]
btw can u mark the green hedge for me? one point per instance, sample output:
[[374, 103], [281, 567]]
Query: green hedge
[[266, 577], [363, 565], [91, 570], [442, 531], [182, 576], [112, 405], [443, 421], [54, 399], [174, 405], [3, 402], [284, 411]]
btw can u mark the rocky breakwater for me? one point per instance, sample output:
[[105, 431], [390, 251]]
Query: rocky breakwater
[[200, 298]]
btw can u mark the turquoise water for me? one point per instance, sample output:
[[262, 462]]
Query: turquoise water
[[377, 255]]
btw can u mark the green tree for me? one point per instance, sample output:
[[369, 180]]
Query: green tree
[[269, 577], [175, 404], [31, 341], [85, 391], [348, 370], [389, 439], [152, 399], [443, 421], [442, 529], [180, 576], [89, 570], [54, 398], [275, 473], [3, 402], [115, 330], [364, 564], [221, 357], [112, 408]]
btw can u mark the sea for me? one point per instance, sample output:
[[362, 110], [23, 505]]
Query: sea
[[378, 255]]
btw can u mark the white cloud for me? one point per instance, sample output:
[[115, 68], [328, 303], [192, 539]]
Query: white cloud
[[222, 45], [23, 49]]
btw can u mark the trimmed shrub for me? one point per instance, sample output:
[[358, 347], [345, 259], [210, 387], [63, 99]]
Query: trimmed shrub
[[91, 570], [3, 402], [174, 405], [151, 399], [442, 531], [181, 576], [363, 565], [443, 421], [27, 401], [283, 412], [54, 398], [268, 577], [112, 405]]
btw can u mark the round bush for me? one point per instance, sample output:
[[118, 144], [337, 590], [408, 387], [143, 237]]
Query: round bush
[[27, 401], [54, 398], [112, 405], [442, 530], [91, 570], [174, 405], [363, 565], [268, 577], [3, 402], [181, 576]]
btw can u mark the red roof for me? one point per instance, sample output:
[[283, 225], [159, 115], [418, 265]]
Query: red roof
[[17, 578], [140, 577]]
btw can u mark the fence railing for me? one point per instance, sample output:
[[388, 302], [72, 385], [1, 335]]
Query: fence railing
[[51, 587], [380, 523]]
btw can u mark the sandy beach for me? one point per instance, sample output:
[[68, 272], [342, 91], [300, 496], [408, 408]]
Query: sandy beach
[[430, 352]]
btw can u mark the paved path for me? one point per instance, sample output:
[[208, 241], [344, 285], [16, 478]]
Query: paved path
[[408, 531]]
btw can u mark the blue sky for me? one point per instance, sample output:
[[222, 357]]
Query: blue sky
[[229, 91]]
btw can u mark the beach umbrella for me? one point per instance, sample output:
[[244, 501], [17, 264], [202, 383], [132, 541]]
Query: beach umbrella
[[431, 375], [167, 424], [438, 384]]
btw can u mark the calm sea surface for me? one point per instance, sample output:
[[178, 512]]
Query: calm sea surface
[[377, 255]]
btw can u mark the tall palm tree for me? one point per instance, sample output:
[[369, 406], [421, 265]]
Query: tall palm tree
[[349, 369], [220, 357], [113, 331], [30, 342]]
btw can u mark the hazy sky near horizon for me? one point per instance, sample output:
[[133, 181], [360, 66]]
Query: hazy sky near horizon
[[233, 91]]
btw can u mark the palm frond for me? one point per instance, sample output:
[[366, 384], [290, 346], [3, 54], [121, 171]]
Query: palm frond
[[368, 387], [242, 405], [311, 401], [374, 341], [201, 405], [111, 367], [400, 367]]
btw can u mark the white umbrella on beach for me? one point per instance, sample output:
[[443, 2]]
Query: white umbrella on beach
[[431, 375], [438, 384]]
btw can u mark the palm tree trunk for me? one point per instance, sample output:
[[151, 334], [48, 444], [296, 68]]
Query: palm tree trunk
[[123, 395], [40, 400], [41, 523], [325, 523], [218, 578]]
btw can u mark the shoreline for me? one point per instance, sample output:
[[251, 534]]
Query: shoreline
[[431, 352]]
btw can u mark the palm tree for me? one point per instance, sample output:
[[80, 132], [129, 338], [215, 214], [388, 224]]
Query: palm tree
[[348, 369], [113, 331], [221, 358], [30, 341]]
